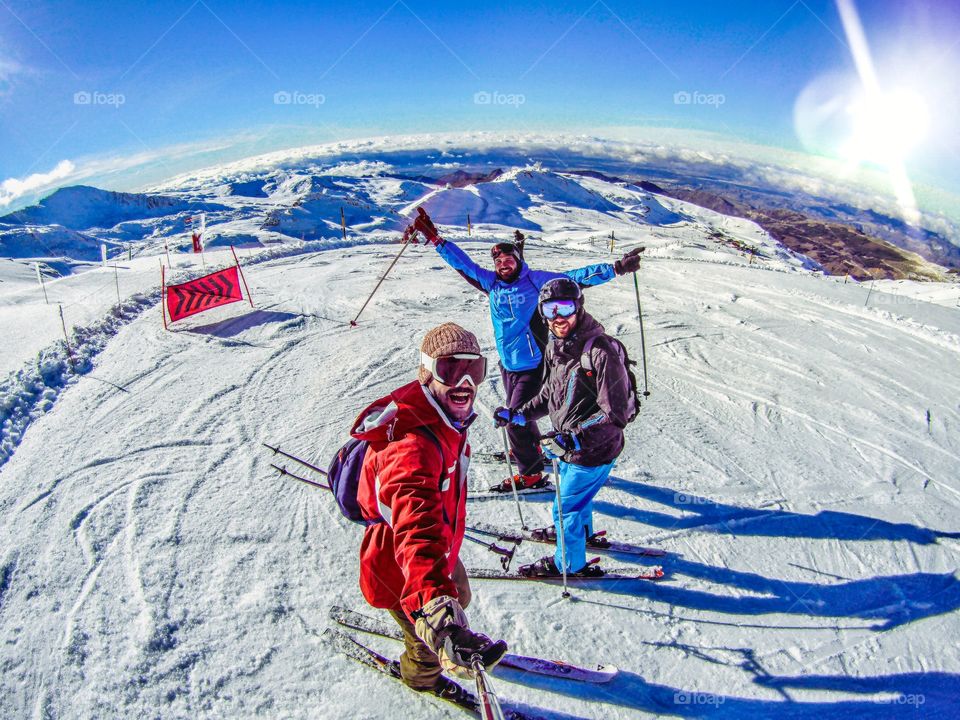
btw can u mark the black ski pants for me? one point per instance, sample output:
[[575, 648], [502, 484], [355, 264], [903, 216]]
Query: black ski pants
[[519, 387]]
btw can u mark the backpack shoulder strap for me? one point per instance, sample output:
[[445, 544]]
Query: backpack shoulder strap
[[433, 438], [585, 362], [613, 344]]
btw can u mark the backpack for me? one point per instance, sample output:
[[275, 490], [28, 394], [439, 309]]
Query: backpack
[[633, 403], [344, 477]]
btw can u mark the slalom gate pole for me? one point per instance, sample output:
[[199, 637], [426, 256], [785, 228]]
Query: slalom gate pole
[[43, 287], [513, 484], [163, 295], [384, 277], [489, 702], [278, 451], [643, 342], [63, 324], [240, 270], [561, 539]]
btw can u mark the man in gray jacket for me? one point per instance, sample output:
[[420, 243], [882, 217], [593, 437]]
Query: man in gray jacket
[[589, 397]]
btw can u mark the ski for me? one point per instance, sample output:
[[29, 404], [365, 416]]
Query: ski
[[517, 536], [356, 650], [493, 494], [489, 456], [616, 573], [553, 668]]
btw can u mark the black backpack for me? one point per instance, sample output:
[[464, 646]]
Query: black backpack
[[633, 408]]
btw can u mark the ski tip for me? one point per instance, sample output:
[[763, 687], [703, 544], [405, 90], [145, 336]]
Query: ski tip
[[606, 673]]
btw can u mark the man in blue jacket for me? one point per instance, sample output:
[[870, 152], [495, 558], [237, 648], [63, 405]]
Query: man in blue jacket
[[513, 289]]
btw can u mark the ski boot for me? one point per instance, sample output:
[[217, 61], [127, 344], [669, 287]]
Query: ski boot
[[523, 482], [598, 540], [544, 567], [591, 569], [450, 690], [546, 534]]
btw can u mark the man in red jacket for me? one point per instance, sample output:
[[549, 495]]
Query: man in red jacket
[[414, 486]]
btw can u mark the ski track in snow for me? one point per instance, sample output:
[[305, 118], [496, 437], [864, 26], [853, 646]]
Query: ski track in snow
[[152, 563]]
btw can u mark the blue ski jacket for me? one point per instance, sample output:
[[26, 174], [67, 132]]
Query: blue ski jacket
[[517, 327]]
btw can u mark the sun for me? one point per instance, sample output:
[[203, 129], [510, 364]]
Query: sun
[[885, 127]]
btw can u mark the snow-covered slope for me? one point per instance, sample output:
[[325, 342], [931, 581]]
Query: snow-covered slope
[[46, 241], [798, 457]]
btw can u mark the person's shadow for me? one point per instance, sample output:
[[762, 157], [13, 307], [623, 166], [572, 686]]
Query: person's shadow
[[707, 515], [912, 695], [889, 600]]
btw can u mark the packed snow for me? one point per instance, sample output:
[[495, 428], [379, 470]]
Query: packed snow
[[797, 458]]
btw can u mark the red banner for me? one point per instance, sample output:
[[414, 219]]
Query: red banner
[[210, 291]]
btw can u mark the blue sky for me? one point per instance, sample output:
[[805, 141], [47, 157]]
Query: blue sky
[[108, 85]]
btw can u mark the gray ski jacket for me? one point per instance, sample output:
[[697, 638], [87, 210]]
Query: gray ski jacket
[[594, 406]]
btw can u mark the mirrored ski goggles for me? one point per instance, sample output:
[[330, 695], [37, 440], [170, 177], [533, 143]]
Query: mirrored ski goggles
[[558, 308], [452, 370], [504, 249]]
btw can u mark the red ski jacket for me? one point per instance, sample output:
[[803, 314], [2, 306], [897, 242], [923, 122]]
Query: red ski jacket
[[417, 484]]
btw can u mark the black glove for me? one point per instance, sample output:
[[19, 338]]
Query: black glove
[[630, 262], [462, 643], [424, 224], [558, 444], [504, 416]]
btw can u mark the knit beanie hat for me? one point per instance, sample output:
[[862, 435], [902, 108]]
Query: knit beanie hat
[[446, 339]]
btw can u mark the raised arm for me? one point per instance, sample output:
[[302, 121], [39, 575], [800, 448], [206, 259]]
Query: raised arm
[[455, 257], [600, 273], [479, 277]]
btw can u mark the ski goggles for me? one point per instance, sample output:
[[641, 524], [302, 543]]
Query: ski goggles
[[452, 370], [558, 308], [505, 248]]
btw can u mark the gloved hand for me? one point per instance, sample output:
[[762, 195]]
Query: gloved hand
[[557, 444], [424, 225], [504, 416], [443, 627], [410, 235], [629, 263]]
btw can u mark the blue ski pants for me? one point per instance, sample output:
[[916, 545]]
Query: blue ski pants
[[578, 486]]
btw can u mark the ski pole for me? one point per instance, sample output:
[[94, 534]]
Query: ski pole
[[278, 451], [489, 702], [384, 277], [561, 539], [506, 556], [286, 473], [643, 342], [513, 483]]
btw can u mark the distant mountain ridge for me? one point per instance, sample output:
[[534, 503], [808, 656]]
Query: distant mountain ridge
[[81, 207]]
